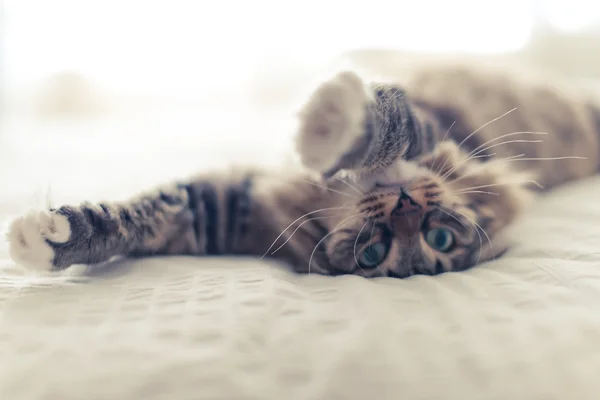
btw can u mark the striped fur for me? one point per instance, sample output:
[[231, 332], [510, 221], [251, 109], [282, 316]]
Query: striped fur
[[396, 163]]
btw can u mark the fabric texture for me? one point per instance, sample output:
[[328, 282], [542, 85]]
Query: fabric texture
[[525, 326]]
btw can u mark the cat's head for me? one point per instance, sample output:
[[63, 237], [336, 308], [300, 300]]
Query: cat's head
[[447, 215]]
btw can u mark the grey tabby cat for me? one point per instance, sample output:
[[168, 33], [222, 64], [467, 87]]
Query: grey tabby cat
[[418, 179]]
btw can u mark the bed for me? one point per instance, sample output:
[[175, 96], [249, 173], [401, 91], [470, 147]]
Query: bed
[[526, 326]]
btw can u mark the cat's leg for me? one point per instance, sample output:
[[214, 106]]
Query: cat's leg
[[351, 125], [201, 217]]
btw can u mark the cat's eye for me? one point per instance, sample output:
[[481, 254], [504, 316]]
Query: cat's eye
[[373, 255], [440, 239]]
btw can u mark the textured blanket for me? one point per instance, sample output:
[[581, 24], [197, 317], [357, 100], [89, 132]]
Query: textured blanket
[[526, 326]]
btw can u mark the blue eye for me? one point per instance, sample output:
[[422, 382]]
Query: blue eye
[[373, 255], [440, 239]]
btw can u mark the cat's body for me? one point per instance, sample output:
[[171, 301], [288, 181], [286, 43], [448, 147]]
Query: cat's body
[[398, 195]]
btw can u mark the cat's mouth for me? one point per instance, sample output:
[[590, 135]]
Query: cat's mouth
[[400, 213], [396, 185]]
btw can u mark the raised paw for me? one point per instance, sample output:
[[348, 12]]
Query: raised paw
[[29, 238], [332, 123]]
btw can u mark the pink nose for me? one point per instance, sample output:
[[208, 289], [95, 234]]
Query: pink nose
[[406, 216]]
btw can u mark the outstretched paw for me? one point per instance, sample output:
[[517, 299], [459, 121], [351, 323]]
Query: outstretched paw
[[332, 123], [29, 238]]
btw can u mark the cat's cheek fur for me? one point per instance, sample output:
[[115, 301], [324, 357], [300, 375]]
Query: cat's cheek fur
[[332, 122], [28, 238]]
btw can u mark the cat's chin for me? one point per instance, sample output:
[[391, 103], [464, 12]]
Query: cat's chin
[[398, 172]]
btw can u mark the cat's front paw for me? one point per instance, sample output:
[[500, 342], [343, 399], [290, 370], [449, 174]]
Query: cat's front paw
[[29, 238], [332, 123]]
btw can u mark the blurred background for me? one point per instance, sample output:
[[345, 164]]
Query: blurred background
[[107, 96]]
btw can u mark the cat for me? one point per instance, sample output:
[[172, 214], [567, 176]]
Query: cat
[[396, 180]]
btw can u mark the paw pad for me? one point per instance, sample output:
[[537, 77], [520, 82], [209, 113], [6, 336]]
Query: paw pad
[[28, 238]]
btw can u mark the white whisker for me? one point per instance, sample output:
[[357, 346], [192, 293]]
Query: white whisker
[[476, 225], [474, 132], [298, 227], [477, 191], [356, 241], [372, 231], [476, 231], [436, 154], [471, 173], [327, 235], [353, 187], [298, 219], [503, 136], [499, 184], [510, 157], [458, 165], [484, 125], [548, 158], [483, 156], [447, 213], [330, 189], [501, 143]]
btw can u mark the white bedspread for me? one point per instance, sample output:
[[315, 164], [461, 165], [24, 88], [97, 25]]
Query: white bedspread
[[526, 326]]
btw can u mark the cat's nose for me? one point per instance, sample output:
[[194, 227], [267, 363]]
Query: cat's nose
[[406, 205], [406, 215]]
